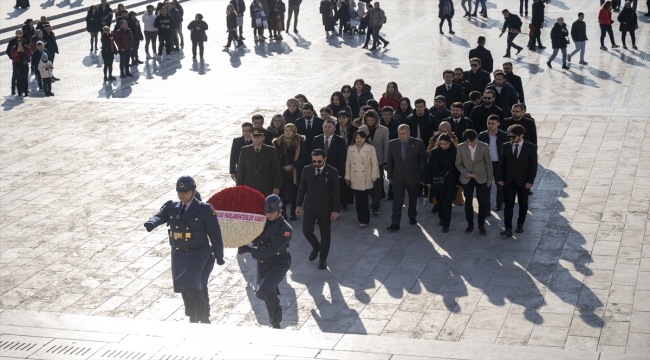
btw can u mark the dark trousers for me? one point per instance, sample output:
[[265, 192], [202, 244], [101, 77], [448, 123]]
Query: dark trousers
[[37, 77], [325, 226], [200, 44], [606, 29], [292, 10], [511, 38], [495, 165], [175, 38], [537, 37], [197, 302], [509, 193], [361, 204], [124, 62], [481, 197], [398, 201], [442, 21], [232, 36], [272, 302], [20, 73], [377, 189], [134, 52], [523, 7], [444, 212], [150, 37], [343, 27], [164, 41], [368, 34], [376, 37], [631, 36], [108, 58], [47, 86]]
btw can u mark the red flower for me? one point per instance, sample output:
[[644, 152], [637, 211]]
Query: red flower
[[238, 199]]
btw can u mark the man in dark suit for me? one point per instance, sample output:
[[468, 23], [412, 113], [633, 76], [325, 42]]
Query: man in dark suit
[[258, 166], [495, 138], [407, 160], [506, 95], [309, 125], [483, 54], [518, 117], [478, 77], [514, 80], [421, 123], [458, 122], [480, 113], [516, 174], [450, 90], [319, 193], [335, 148], [237, 144], [258, 122]]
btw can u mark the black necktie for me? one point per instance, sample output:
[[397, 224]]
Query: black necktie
[[257, 151], [183, 209], [308, 125], [448, 87], [327, 144], [516, 151], [317, 173]]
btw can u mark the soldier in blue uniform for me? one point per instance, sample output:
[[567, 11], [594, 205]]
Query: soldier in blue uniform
[[191, 222], [273, 259]]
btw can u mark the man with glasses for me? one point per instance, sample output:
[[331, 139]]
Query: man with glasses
[[483, 54], [480, 114], [450, 90], [478, 77], [519, 118], [465, 85], [319, 194], [475, 166], [516, 174], [237, 144]]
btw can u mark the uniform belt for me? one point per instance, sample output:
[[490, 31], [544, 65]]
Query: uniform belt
[[185, 235]]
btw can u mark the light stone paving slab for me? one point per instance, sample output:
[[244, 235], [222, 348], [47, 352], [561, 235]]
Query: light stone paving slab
[[84, 169]]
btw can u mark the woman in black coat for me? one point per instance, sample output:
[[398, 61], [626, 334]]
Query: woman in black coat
[[343, 14], [628, 23], [28, 29], [326, 12], [403, 110], [442, 162], [197, 34], [446, 12], [559, 41], [136, 30], [352, 101], [231, 24], [93, 25], [108, 53]]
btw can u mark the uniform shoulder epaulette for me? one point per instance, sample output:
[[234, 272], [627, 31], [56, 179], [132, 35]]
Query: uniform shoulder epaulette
[[169, 202]]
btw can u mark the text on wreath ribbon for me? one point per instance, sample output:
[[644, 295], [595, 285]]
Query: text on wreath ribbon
[[246, 217]]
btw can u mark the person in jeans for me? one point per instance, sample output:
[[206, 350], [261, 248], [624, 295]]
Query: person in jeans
[[124, 41], [150, 31], [475, 166], [605, 22], [579, 37], [558, 40]]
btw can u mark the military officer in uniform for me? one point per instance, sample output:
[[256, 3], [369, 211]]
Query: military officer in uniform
[[258, 166], [191, 222], [273, 259]]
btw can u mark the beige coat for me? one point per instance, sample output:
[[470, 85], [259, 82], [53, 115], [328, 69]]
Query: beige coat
[[361, 167]]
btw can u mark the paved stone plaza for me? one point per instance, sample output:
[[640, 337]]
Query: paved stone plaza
[[81, 172]]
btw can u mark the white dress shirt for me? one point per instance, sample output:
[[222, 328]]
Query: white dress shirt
[[472, 151], [520, 143]]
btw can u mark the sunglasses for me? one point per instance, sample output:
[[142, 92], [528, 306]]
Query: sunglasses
[[317, 161], [473, 65], [487, 98], [514, 136]]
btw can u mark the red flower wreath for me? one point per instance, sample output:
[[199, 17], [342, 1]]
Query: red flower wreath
[[241, 199]]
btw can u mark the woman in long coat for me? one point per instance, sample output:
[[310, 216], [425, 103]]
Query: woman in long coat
[[628, 23], [442, 163], [292, 156], [361, 172], [326, 14]]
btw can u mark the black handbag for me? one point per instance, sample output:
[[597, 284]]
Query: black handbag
[[439, 180]]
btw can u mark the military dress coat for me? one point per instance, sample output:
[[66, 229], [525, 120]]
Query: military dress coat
[[192, 255], [272, 254], [260, 171]]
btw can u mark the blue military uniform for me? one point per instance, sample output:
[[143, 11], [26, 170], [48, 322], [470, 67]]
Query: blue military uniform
[[192, 254], [273, 262]]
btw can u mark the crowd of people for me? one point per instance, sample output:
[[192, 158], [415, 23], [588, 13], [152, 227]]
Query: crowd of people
[[120, 32]]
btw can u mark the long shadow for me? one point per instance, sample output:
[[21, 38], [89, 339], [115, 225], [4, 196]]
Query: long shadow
[[458, 41], [299, 40], [63, 4], [11, 102], [93, 59], [334, 41], [47, 4], [629, 59], [280, 48], [199, 67], [168, 67], [581, 79], [603, 75], [16, 13], [559, 4], [385, 59]]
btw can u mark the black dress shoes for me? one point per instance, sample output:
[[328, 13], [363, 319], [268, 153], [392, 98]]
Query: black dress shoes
[[313, 254], [440, 222], [322, 264], [520, 228], [413, 221], [445, 229], [393, 227], [276, 326], [506, 233], [434, 209], [499, 207]]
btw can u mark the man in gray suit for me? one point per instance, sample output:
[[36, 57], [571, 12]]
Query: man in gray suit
[[407, 160], [475, 166]]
